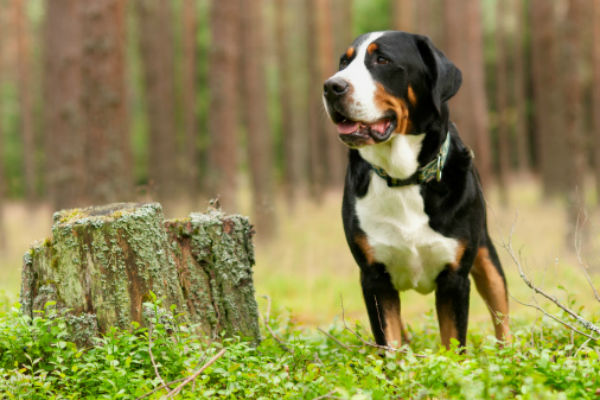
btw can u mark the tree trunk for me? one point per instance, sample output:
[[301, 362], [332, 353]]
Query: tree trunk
[[520, 93], [104, 101], [25, 97], [430, 22], [502, 103], [102, 263], [403, 15], [596, 94], [259, 143], [157, 51], [291, 137], [549, 127], [190, 122], [575, 162], [63, 114], [223, 110], [2, 180], [464, 44]]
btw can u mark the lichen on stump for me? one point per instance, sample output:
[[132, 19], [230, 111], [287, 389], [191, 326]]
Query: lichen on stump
[[102, 263]]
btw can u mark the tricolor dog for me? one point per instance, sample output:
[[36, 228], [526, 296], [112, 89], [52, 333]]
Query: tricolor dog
[[413, 210]]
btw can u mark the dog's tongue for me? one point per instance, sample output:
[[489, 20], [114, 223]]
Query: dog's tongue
[[380, 126], [346, 128]]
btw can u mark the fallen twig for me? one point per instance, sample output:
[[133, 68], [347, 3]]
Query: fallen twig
[[156, 389], [371, 344], [578, 244], [582, 321], [327, 396], [164, 384], [345, 346], [195, 374], [268, 326]]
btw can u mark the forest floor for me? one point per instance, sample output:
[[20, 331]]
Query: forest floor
[[307, 271], [301, 278]]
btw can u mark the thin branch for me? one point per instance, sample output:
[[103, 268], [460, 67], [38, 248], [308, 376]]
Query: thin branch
[[371, 344], [582, 321], [160, 388], [578, 244], [175, 391], [160, 378], [555, 318], [268, 326], [345, 346], [327, 396]]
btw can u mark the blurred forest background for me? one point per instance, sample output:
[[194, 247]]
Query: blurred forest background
[[188, 100]]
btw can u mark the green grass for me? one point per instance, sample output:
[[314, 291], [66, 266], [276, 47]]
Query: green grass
[[544, 362], [302, 276]]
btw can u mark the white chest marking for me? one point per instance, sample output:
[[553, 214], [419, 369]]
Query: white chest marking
[[398, 230]]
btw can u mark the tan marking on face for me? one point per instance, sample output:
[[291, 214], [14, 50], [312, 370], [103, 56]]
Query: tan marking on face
[[447, 323], [460, 251], [350, 52], [392, 322], [412, 98], [372, 47], [385, 101], [492, 289], [363, 243]]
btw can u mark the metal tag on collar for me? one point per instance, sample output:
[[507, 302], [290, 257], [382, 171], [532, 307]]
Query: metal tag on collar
[[438, 171]]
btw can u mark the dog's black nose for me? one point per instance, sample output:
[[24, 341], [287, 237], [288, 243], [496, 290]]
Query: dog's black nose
[[335, 87]]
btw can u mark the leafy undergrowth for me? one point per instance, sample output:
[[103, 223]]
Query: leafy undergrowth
[[38, 362]]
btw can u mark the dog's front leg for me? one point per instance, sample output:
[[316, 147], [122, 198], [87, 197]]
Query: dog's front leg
[[383, 305]]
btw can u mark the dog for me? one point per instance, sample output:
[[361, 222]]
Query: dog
[[413, 209]]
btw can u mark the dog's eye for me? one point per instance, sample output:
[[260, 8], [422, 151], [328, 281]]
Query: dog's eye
[[382, 60], [343, 63]]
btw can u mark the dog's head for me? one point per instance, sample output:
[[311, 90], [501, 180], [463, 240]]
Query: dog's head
[[387, 83]]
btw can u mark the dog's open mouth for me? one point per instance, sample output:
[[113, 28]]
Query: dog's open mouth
[[359, 133]]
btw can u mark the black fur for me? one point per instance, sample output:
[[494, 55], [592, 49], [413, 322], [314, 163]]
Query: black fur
[[455, 205]]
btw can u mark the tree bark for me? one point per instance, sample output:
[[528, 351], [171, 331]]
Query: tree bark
[[520, 94], [549, 127], [63, 114], [102, 263], [574, 121], [502, 103], [2, 180], [290, 135], [108, 154], [596, 93], [24, 64], [157, 51], [464, 45], [259, 141], [403, 15], [190, 166], [223, 109]]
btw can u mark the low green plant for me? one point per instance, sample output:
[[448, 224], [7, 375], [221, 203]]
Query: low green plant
[[544, 360]]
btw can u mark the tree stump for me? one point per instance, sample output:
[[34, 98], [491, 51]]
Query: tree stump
[[102, 263]]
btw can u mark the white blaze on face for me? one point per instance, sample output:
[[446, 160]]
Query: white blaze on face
[[361, 105]]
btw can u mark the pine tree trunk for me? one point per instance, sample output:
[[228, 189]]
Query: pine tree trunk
[[502, 103], [102, 263], [259, 141], [403, 15], [103, 99], [549, 127], [596, 94], [25, 97], [189, 169], [574, 121], [157, 52], [290, 135], [520, 94], [223, 109], [63, 114]]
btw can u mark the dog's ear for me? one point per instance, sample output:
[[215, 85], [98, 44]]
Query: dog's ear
[[446, 77]]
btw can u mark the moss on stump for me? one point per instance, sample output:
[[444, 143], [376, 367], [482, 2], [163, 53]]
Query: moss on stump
[[102, 263]]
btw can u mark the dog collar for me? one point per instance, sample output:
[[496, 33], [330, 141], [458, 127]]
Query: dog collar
[[425, 174]]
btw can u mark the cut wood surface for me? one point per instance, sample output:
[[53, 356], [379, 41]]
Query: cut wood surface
[[102, 263]]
